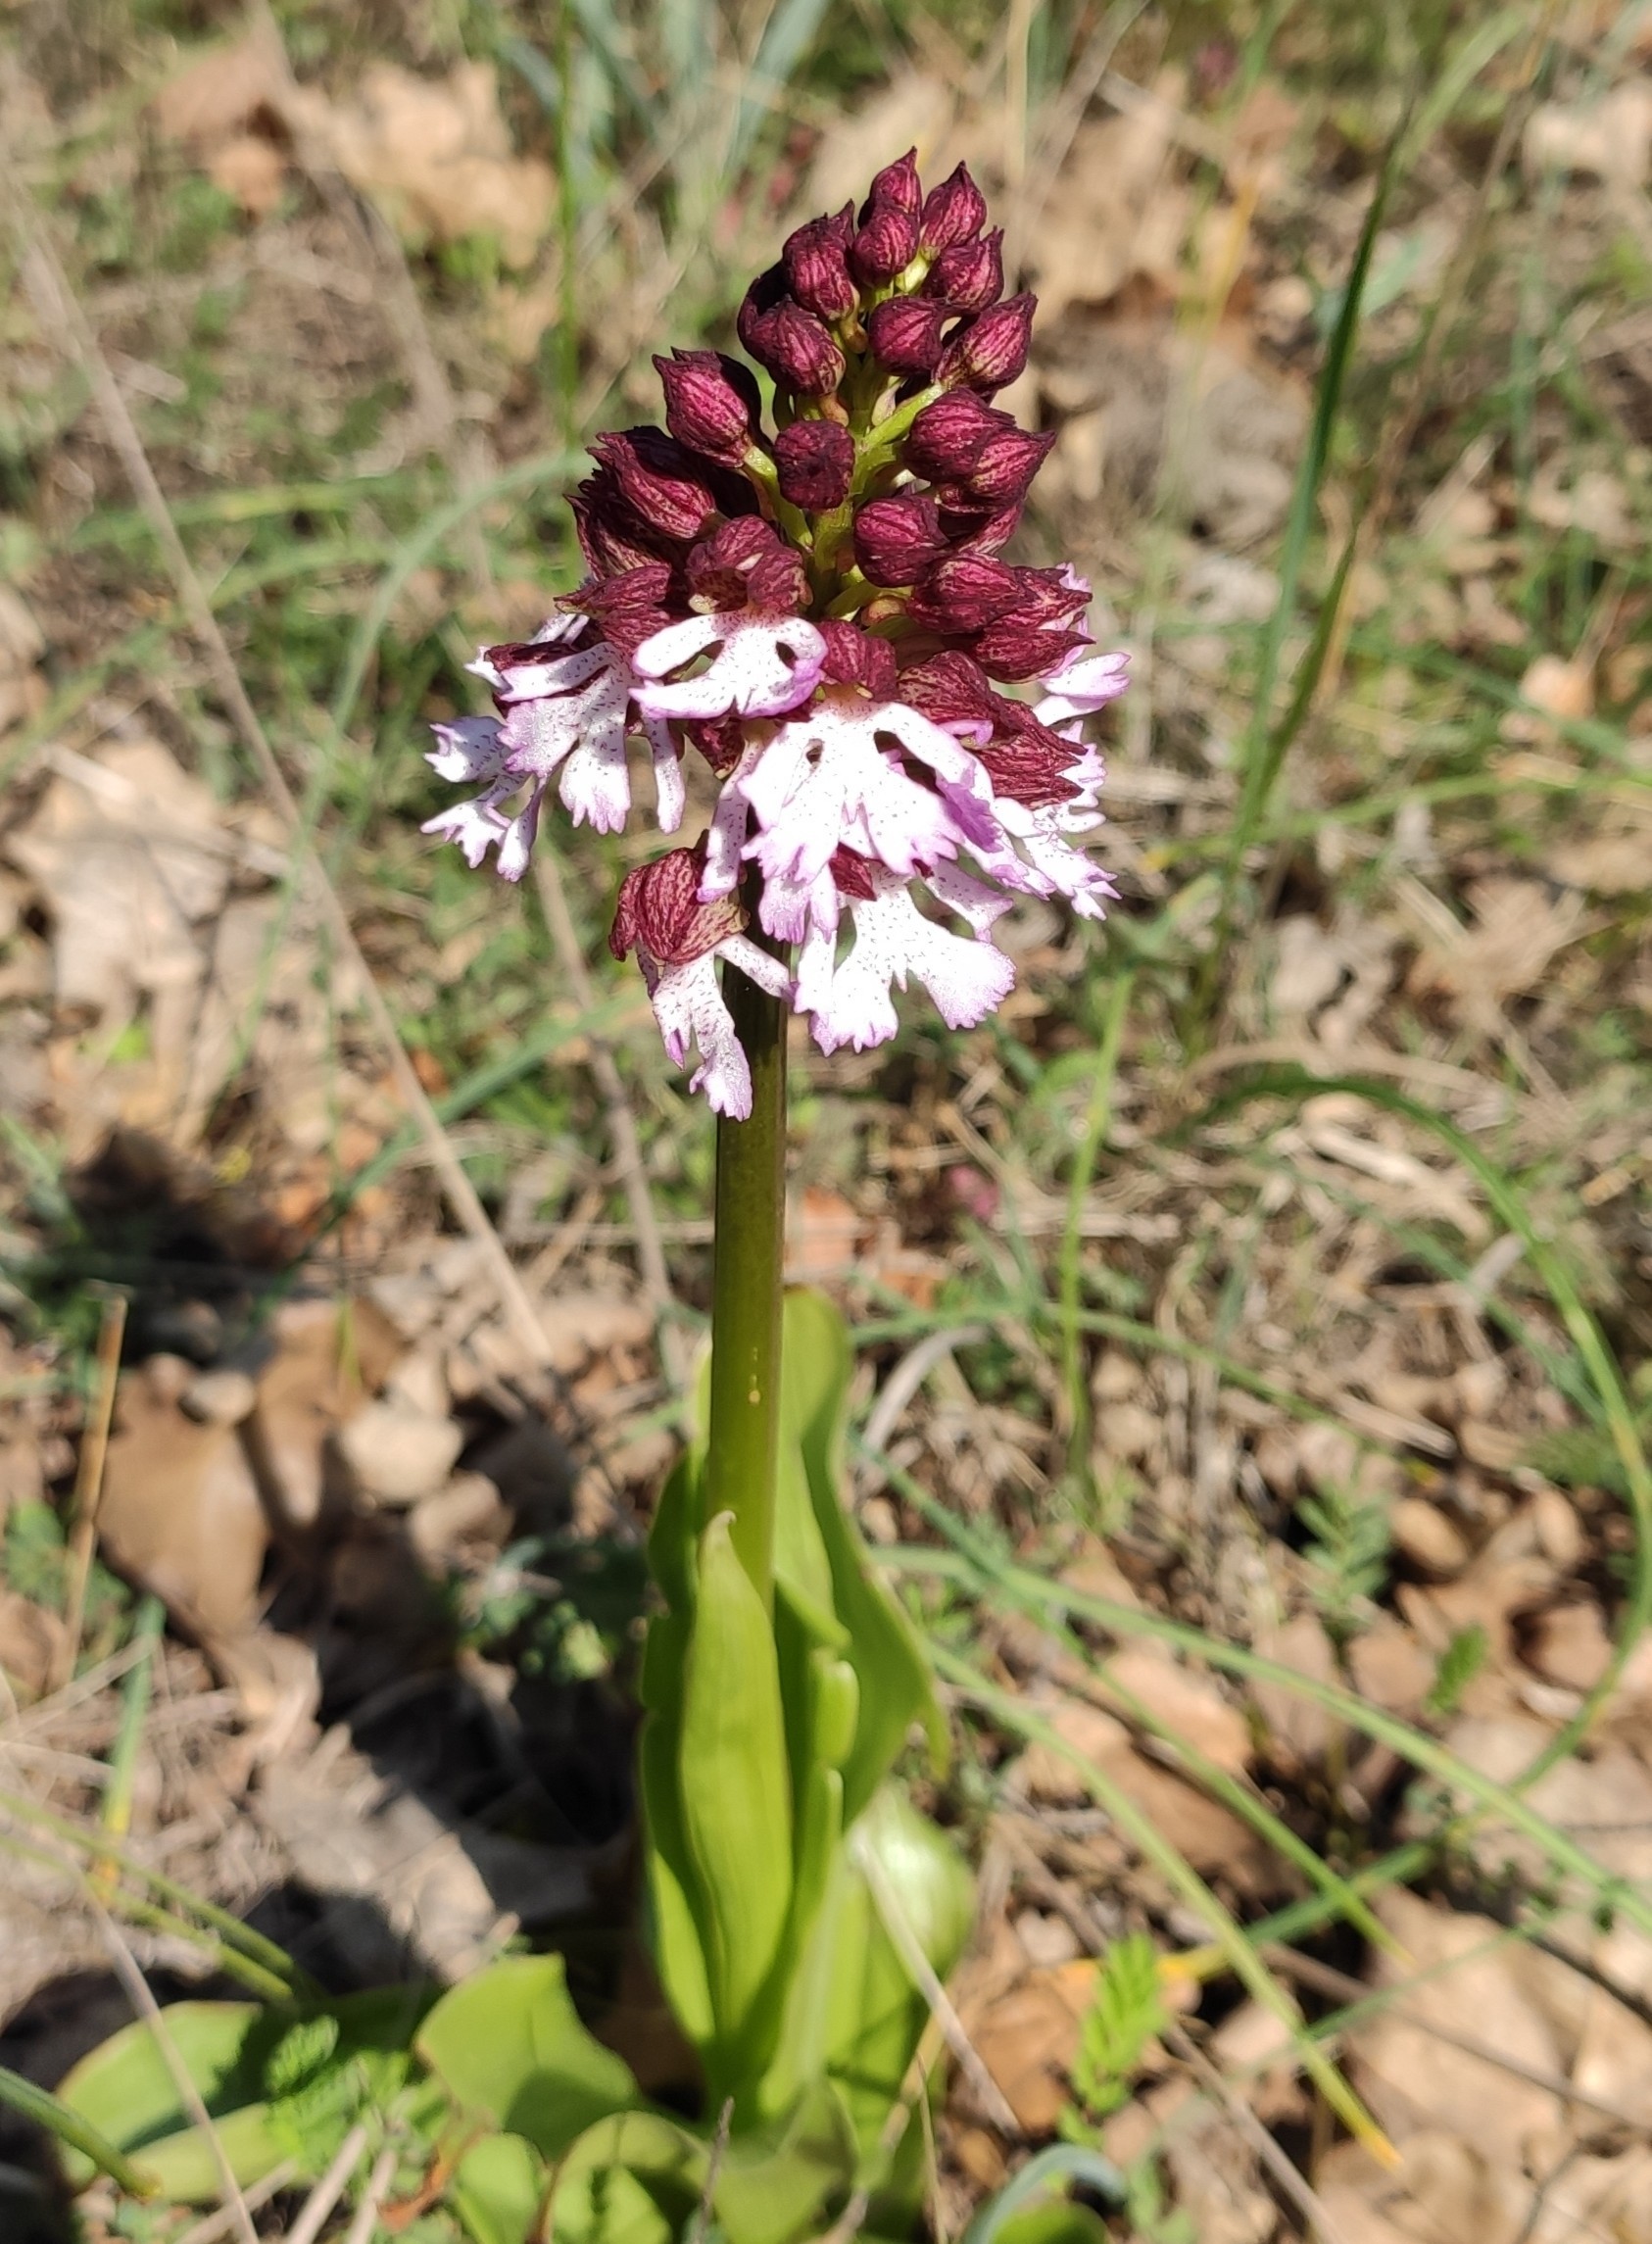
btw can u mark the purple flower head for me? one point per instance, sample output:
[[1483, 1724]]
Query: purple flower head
[[823, 614]]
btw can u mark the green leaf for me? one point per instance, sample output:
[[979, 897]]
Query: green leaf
[[776, 2185], [1125, 2013], [735, 1788], [498, 2189], [124, 2089], [1017, 2217], [509, 2047]]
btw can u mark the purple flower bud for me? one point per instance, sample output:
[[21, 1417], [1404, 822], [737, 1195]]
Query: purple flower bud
[[856, 658], [1002, 470], [944, 442], [952, 690], [814, 263], [967, 527], [794, 346], [613, 537], [887, 243], [906, 333], [897, 539], [658, 912], [965, 592], [969, 274], [1014, 651], [713, 404], [769, 290], [897, 185], [955, 211], [748, 565], [815, 461], [851, 875], [627, 608], [992, 350], [1025, 759], [667, 485]]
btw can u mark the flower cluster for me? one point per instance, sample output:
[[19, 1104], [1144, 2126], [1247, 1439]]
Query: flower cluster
[[824, 616]]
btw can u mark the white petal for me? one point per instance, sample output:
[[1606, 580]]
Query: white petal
[[756, 964], [475, 825], [676, 643], [1081, 687], [669, 794], [467, 751], [749, 671]]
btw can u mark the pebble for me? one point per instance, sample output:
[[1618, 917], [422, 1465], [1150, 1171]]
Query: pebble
[[1423, 1534], [398, 1454]]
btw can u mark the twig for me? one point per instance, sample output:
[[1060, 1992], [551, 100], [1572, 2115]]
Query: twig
[[219, 2224], [365, 2222], [701, 2225], [898, 1924], [623, 1124], [44, 277], [89, 1488], [1291, 2183], [317, 2206], [149, 2010]]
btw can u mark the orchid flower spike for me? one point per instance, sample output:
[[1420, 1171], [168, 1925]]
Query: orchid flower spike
[[822, 614]]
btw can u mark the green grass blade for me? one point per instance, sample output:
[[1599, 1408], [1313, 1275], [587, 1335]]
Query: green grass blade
[[46, 2111], [787, 39]]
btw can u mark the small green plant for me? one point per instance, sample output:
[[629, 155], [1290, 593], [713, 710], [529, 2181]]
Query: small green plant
[[1348, 1557], [1126, 2012], [1459, 1662]]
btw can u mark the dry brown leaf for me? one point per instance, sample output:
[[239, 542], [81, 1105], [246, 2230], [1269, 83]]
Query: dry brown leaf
[[220, 94], [1617, 860], [436, 155], [180, 1509], [1608, 140], [1026, 2040], [1112, 214], [1299, 1730], [1518, 928], [1570, 1647], [31, 1642], [252, 170], [1190, 1703]]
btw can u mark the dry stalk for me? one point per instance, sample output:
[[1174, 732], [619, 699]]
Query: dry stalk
[[88, 1489], [1289, 2181], [361, 2229], [60, 308], [148, 2009]]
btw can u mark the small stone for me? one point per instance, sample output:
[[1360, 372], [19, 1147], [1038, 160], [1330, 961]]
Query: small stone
[[396, 1454], [220, 1397], [467, 1510], [1559, 1531], [1570, 1647], [1423, 1534], [1047, 1939]]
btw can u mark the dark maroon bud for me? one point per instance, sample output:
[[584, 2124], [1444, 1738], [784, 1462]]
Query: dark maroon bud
[[815, 463], [992, 349], [611, 533], [952, 689], [815, 265], [979, 533], [659, 912], [746, 565], [906, 333], [1004, 471], [797, 350], [969, 274], [897, 539], [887, 243], [658, 478], [720, 740], [965, 592], [1027, 760], [851, 875], [1049, 596], [953, 212], [769, 290], [856, 658], [944, 442], [627, 607], [898, 185], [713, 404], [1014, 651]]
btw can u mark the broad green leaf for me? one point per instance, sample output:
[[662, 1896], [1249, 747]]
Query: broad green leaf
[[509, 2046], [679, 1952], [498, 2189], [776, 2186], [735, 1786], [124, 2089]]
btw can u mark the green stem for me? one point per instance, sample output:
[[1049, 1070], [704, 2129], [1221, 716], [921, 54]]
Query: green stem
[[751, 1225]]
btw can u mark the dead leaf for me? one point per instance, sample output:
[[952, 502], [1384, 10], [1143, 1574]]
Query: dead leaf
[[1518, 929], [1028, 2039], [435, 154], [1608, 140], [1298, 1728], [1191, 1704], [252, 170], [180, 1510], [219, 93], [1112, 214]]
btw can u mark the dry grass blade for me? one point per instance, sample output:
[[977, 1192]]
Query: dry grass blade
[[361, 2229], [316, 2209], [1291, 2184], [148, 2009], [217, 2225], [88, 1488], [896, 1924], [48, 286]]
